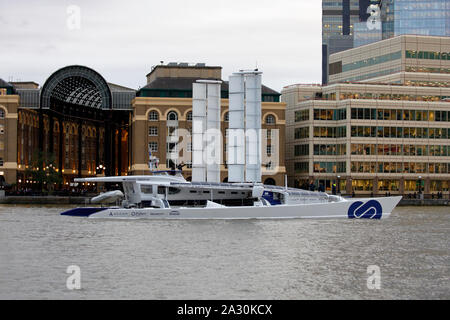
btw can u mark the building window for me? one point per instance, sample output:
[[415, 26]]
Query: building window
[[302, 115], [301, 167], [1, 162], [227, 117], [269, 150], [153, 116], [301, 150], [269, 134], [301, 133], [172, 116], [2, 129], [153, 131], [270, 119], [2, 113], [189, 116], [153, 146]]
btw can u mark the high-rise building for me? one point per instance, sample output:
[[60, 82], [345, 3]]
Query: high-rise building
[[399, 17], [338, 19]]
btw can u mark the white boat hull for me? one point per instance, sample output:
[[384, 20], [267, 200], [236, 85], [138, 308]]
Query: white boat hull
[[352, 208]]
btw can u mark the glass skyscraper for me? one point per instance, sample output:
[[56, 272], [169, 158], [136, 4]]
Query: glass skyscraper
[[338, 19], [419, 17]]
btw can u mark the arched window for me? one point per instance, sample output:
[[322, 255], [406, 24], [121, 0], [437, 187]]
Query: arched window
[[153, 116], [270, 119], [227, 117], [189, 116], [2, 113], [172, 116], [269, 182]]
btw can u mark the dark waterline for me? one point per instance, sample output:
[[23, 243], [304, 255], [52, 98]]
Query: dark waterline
[[256, 259]]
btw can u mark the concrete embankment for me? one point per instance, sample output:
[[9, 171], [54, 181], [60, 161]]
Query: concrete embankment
[[424, 202], [44, 200]]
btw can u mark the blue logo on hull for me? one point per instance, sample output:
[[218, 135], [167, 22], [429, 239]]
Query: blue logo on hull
[[370, 210]]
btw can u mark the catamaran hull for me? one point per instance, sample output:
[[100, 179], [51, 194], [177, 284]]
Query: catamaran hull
[[351, 209]]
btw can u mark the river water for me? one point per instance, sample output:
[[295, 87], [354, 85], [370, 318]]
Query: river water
[[255, 259]]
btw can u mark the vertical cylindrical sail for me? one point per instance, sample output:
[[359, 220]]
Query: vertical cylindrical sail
[[236, 136], [198, 129], [253, 127], [213, 150]]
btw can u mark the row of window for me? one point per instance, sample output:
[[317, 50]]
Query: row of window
[[372, 61], [330, 149], [400, 150], [329, 167], [321, 150], [374, 167], [399, 167], [374, 114], [400, 132], [393, 185], [173, 116], [383, 96], [399, 115], [427, 69], [330, 114], [365, 75], [431, 55], [330, 132]]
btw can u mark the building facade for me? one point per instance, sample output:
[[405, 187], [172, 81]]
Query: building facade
[[162, 120], [408, 59], [79, 125], [389, 133]]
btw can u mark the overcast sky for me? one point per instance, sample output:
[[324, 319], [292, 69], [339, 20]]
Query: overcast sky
[[123, 39]]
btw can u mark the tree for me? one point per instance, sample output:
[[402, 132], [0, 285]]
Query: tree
[[43, 170]]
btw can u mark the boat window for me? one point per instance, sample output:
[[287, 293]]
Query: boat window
[[174, 190], [221, 192], [146, 189], [193, 191], [161, 190], [205, 191]]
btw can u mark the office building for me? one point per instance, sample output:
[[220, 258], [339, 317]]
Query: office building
[[381, 125]]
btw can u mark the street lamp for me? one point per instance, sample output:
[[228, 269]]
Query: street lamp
[[100, 169]]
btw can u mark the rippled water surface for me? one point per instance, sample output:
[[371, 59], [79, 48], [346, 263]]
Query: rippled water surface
[[277, 259]]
